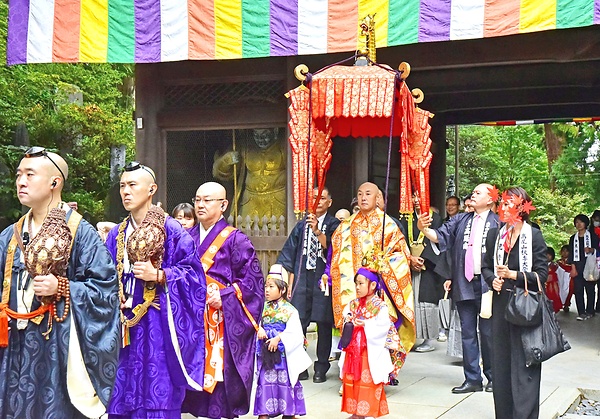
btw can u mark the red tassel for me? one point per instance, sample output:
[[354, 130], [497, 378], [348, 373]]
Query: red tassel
[[3, 329]]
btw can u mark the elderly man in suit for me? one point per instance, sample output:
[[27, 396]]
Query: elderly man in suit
[[464, 236]]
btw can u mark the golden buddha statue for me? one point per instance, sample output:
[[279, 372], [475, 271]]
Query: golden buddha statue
[[261, 176]]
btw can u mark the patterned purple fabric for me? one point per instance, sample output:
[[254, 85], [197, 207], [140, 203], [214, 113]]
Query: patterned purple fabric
[[149, 377], [434, 20], [18, 23], [284, 27], [236, 262], [274, 393], [147, 34]]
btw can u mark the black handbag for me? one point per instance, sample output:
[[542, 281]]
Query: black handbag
[[546, 340], [524, 307], [346, 337]]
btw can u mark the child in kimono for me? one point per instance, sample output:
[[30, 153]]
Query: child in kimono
[[552, 288], [367, 361], [280, 354]]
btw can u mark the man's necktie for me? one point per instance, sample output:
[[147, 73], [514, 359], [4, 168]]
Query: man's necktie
[[469, 262], [313, 249]]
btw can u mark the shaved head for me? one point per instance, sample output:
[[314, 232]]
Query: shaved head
[[210, 203], [368, 195], [212, 189], [39, 179], [60, 162]]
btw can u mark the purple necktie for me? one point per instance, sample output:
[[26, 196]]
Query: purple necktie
[[469, 262]]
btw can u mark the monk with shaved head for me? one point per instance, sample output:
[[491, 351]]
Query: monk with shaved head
[[464, 236], [370, 239], [59, 313], [162, 297], [235, 296]]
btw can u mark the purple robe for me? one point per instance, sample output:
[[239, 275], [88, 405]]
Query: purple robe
[[153, 375], [235, 262]]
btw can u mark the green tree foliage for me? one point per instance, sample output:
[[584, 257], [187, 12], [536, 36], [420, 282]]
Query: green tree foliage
[[516, 156], [41, 96]]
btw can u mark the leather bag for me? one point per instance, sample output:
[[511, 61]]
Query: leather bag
[[524, 306], [346, 337], [546, 340]]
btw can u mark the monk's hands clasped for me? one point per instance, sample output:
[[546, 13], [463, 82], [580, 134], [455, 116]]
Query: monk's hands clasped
[[45, 285]]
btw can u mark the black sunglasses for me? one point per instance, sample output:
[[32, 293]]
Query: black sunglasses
[[41, 152], [135, 165]]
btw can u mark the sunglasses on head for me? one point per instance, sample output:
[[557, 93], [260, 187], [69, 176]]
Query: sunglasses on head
[[41, 152], [135, 165]]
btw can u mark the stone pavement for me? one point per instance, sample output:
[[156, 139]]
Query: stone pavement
[[426, 380]]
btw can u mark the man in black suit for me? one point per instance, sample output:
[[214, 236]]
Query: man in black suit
[[304, 255], [464, 235]]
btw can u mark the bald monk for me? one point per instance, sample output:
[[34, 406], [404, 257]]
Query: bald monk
[[59, 315], [360, 236], [162, 305], [235, 299]]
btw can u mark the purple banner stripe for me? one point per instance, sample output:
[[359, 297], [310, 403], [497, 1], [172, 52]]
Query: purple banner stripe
[[597, 12], [434, 20], [284, 27], [18, 25], [147, 31]]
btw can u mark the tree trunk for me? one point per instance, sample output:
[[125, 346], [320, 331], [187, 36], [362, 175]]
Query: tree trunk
[[554, 146]]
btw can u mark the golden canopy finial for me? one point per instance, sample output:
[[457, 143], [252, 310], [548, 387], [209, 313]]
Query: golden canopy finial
[[367, 29]]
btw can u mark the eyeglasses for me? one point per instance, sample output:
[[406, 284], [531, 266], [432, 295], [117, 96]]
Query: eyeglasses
[[41, 152], [206, 200], [135, 165]]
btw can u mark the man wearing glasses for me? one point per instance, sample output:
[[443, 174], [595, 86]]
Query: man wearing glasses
[[59, 313], [235, 297], [162, 297], [464, 236]]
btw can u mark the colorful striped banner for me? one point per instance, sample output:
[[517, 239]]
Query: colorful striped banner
[[148, 31]]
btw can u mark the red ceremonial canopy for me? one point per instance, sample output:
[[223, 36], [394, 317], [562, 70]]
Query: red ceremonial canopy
[[356, 101]]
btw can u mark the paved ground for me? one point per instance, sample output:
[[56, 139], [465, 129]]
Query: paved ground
[[426, 380]]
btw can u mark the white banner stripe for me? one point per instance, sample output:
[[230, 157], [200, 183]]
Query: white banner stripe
[[40, 31], [312, 26], [466, 20], [174, 30]]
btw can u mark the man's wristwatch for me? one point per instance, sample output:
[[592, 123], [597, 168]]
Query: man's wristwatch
[[317, 233]]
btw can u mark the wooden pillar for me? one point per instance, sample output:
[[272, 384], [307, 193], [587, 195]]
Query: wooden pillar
[[437, 173], [150, 140]]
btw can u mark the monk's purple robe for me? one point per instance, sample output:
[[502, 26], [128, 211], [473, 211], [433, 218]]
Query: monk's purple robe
[[166, 354], [235, 262]]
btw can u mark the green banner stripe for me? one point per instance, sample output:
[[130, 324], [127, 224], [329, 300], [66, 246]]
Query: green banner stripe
[[403, 22], [256, 26], [574, 13], [121, 31]]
